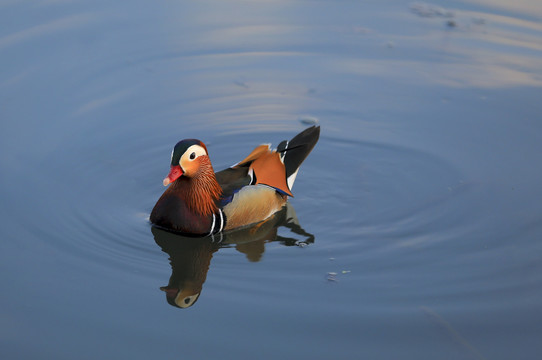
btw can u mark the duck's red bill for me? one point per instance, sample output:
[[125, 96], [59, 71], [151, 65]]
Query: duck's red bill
[[173, 175]]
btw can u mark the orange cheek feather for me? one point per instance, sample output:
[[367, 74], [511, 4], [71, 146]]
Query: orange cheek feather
[[192, 167]]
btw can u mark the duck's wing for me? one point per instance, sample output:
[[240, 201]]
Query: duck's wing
[[232, 180], [278, 168], [275, 168], [261, 166], [264, 166]]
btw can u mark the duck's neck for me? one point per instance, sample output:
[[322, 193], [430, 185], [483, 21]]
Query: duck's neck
[[201, 191]]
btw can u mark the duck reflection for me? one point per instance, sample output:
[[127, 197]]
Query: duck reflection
[[190, 257]]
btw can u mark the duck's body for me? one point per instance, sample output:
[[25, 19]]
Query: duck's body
[[199, 201]]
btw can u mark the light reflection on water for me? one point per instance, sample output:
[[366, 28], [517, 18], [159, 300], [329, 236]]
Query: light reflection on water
[[422, 193]]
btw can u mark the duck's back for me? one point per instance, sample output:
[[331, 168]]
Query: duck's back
[[258, 186]]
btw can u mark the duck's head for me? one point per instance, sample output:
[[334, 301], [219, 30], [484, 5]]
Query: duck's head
[[186, 159]]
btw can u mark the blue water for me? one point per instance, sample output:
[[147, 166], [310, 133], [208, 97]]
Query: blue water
[[414, 231]]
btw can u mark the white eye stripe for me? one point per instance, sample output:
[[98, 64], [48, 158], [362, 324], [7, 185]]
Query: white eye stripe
[[192, 153]]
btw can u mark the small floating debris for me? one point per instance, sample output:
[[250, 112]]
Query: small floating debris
[[331, 276], [331, 259], [453, 20], [361, 30], [429, 10], [241, 83], [451, 23], [346, 272], [308, 120]]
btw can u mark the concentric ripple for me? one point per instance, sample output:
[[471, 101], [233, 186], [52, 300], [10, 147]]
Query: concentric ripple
[[345, 189]]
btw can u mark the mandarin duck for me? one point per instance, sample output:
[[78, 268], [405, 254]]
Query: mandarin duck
[[201, 202]]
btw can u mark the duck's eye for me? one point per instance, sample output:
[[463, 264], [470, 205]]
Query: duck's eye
[[192, 153]]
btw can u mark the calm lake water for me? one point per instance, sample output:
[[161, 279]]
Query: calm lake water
[[416, 227]]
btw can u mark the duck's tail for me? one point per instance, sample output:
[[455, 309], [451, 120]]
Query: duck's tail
[[295, 151]]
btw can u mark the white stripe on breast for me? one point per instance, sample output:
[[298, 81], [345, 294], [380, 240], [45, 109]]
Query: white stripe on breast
[[221, 220], [213, 225]]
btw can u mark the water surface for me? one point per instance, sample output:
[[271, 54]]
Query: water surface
[[414, 231]]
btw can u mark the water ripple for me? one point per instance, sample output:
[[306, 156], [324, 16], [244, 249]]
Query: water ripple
[[346, 188]]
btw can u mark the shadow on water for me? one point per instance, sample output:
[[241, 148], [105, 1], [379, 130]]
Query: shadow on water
[[190, 257]]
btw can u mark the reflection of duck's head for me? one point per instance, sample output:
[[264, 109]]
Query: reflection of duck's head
[[181, 298], [190, 257]]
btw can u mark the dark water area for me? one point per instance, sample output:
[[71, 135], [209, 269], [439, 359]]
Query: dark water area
[[415, 228]]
